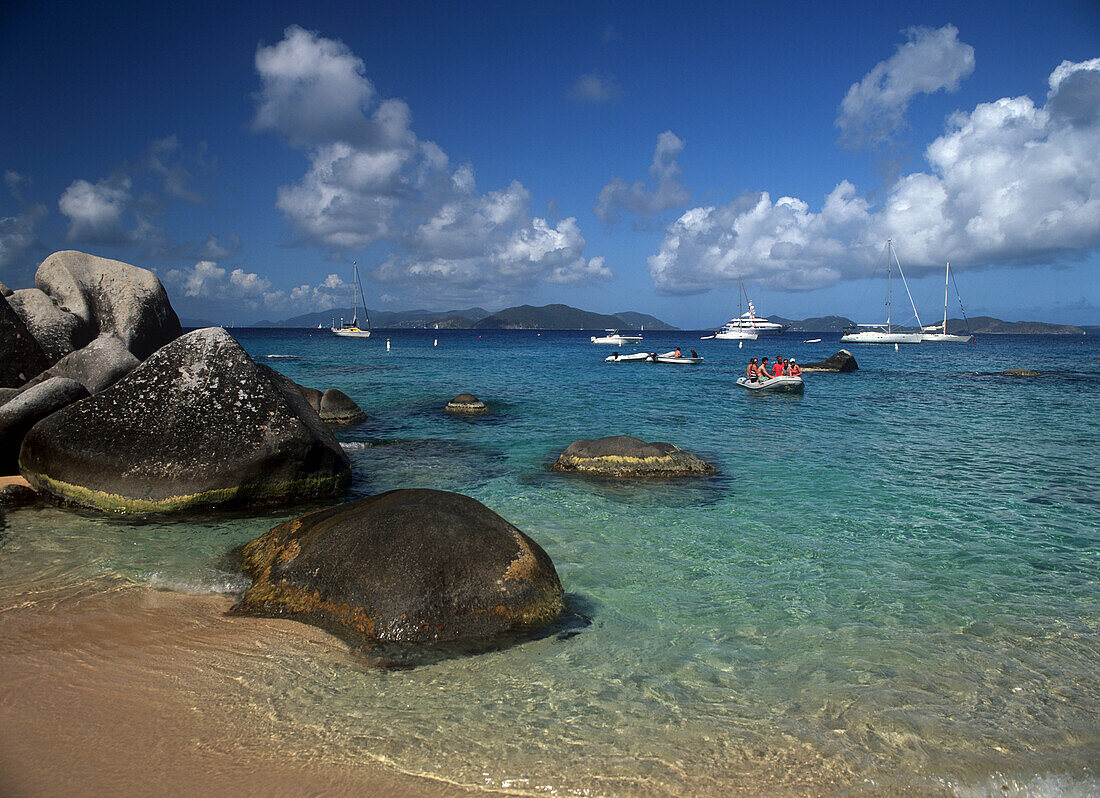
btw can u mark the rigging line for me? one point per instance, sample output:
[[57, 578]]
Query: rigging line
[[959, 297]]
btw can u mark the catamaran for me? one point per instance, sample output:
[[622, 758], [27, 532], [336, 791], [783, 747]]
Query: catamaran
[[352, 330], [937, 333], [884, 333]]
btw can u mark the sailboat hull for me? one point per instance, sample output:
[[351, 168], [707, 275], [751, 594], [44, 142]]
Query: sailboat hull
[[944, 338], [876, 337], [352, 333]]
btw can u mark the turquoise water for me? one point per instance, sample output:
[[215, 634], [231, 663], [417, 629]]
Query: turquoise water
[[892, 584]]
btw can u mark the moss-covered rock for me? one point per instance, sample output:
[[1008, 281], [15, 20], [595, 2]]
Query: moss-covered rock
[[466, 403], [407, 568], [197, 424], [624, 456]]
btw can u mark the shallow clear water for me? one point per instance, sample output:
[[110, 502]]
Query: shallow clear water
[[893, 582]]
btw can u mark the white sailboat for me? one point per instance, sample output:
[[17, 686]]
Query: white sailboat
[[352, 329], [884, 333], [937, 333]]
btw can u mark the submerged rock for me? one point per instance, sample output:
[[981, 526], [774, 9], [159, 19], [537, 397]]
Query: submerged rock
[[842, 361], [21, 356], [339, 408], [466, 403], [198, 423], [624, 456], [405, 568], [21, 413], [111, 297]]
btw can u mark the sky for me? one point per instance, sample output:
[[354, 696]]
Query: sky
[[648, 157]]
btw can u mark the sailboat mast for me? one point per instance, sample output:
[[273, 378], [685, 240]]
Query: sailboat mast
[[908, 293], [354, 298], [946, 282], [889, 282]]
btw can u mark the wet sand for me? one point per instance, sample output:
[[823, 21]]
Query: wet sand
[[139, 692]]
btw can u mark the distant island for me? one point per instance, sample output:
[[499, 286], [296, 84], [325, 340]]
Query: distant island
[[523, 317], [564, 317]]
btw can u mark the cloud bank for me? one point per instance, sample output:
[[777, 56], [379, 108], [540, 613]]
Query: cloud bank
[[235, 290], [372, 181], [874, 109], [1009, 183]]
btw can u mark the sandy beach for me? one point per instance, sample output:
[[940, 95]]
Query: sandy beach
[[136, 693]]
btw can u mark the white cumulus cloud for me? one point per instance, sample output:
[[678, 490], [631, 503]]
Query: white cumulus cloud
[[1007, 183], [372, 181], [932, 59], [637, 198]]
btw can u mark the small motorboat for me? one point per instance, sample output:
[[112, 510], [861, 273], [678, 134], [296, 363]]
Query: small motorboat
[[774, 385], [616, 338], [671, 358], [812, 341], [637, 357]]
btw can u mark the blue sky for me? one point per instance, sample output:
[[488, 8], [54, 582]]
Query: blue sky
[[609, 156]]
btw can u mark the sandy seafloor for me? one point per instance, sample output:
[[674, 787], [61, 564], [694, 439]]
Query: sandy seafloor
[[892, 587]]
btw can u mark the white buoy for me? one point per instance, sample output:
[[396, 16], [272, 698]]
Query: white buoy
[[895, 347], [740, 344], [435, 342], [387, 344]]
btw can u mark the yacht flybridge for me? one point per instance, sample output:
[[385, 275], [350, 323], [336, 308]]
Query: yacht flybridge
[[885, 333]]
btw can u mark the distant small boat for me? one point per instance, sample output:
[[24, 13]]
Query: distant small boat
[[615, 338], [774, 385], [812, 341]]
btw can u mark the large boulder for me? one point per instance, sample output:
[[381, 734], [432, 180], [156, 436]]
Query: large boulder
[[18, 415], [624, 456], [57, 331], [111, 297], [21, 357], [339, 408], [840, 362], [97, 366], [404, 568], [197, 424]]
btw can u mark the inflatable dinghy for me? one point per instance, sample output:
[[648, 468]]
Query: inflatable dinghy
[[774, 385], [637, 357], [670, 358]]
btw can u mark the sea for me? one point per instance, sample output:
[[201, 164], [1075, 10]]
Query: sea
[[891, 586]]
